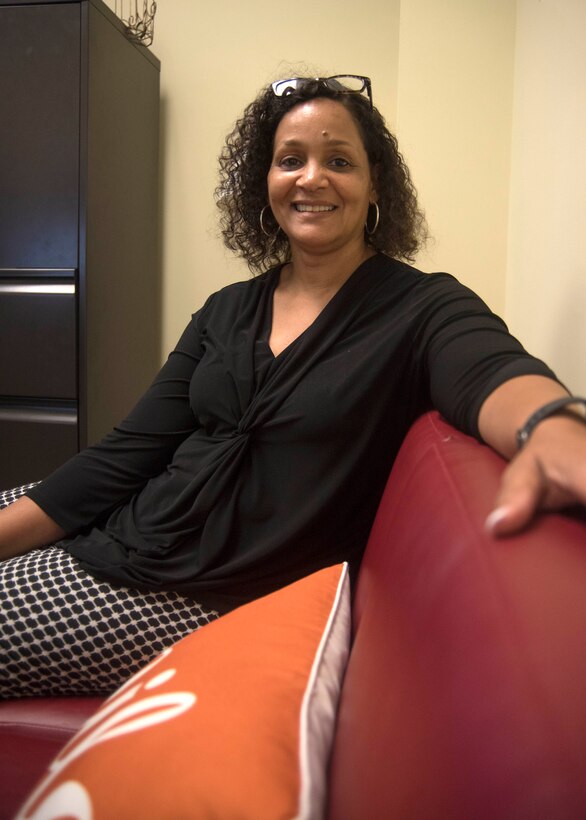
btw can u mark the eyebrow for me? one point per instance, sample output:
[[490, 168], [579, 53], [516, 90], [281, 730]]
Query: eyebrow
[[292, 142]]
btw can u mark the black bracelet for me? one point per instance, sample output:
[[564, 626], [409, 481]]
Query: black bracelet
[[544, 412]]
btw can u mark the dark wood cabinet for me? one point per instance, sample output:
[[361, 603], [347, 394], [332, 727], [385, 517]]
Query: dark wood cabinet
[[79, 262]]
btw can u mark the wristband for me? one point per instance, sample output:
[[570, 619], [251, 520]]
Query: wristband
[[544, 412]]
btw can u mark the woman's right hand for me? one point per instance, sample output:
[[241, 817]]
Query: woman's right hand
[[24, 526]]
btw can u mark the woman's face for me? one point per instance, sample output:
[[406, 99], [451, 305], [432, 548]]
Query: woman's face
[[320, 182]]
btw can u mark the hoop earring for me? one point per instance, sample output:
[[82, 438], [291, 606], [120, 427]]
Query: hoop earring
[[367, 229], [262, 225]]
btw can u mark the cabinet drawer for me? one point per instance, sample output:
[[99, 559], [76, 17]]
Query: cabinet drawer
[[34, 442], [38, 340], [39, 134]]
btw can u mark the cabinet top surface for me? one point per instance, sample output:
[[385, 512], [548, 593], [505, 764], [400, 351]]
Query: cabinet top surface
[[101, 7]]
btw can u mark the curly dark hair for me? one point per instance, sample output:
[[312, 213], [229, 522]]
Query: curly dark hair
[[245, 161]]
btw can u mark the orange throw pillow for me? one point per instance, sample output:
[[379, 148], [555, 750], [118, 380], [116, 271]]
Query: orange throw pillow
[[234, 721]]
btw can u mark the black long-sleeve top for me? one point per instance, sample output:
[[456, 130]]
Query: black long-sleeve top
[[238, 471]]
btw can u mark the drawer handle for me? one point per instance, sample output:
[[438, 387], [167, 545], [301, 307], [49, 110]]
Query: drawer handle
[[51, 289], [39, 415]]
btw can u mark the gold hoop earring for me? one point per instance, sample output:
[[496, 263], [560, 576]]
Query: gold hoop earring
[[262, 225], [370, 231]]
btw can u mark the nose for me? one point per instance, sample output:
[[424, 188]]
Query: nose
[[312, 176]]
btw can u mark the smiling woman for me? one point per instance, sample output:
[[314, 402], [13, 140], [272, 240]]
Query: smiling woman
[[320, 183], [242, 193], [320, 186], [261, 450]]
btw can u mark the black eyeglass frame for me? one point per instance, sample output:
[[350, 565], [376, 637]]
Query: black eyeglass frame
[[301, 81]]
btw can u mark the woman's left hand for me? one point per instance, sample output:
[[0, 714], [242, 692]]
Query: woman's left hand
[[549, 473]]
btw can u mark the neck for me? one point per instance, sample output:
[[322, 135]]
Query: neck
[[326, 272]]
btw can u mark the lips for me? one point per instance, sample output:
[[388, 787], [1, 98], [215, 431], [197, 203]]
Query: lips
[[312, 209]]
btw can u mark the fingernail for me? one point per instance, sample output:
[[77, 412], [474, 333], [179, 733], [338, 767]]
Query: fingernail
[[495, 517]]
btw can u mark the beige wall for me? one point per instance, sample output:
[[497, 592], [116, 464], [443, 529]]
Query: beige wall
[[461, 81], [454, 124], [546, 277]]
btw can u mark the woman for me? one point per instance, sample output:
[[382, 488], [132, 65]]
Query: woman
[[260, 452]]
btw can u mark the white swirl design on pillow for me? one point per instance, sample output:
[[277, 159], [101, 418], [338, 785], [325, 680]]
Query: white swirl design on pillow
[[116, 718]]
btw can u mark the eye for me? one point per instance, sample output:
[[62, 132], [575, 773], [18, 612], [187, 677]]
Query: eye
[[288, 162], [340, 162]]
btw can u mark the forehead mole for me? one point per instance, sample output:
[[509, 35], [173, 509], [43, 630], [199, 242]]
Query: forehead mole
[[324, 133]]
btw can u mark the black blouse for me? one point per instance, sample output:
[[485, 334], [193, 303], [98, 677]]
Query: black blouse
[[239, 472]]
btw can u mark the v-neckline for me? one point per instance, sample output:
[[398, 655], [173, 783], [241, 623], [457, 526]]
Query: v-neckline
[[266, 336], [270, 318]]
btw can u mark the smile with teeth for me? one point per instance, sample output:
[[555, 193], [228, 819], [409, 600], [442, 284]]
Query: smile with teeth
[[312, 208]]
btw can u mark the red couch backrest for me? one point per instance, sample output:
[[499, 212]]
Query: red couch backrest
[[465, 695]]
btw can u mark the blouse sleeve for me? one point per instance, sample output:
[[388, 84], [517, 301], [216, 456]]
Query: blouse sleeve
[[140, 447], [467, 352]]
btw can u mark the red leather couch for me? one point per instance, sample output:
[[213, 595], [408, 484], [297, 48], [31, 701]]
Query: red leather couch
[[465, 693]]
